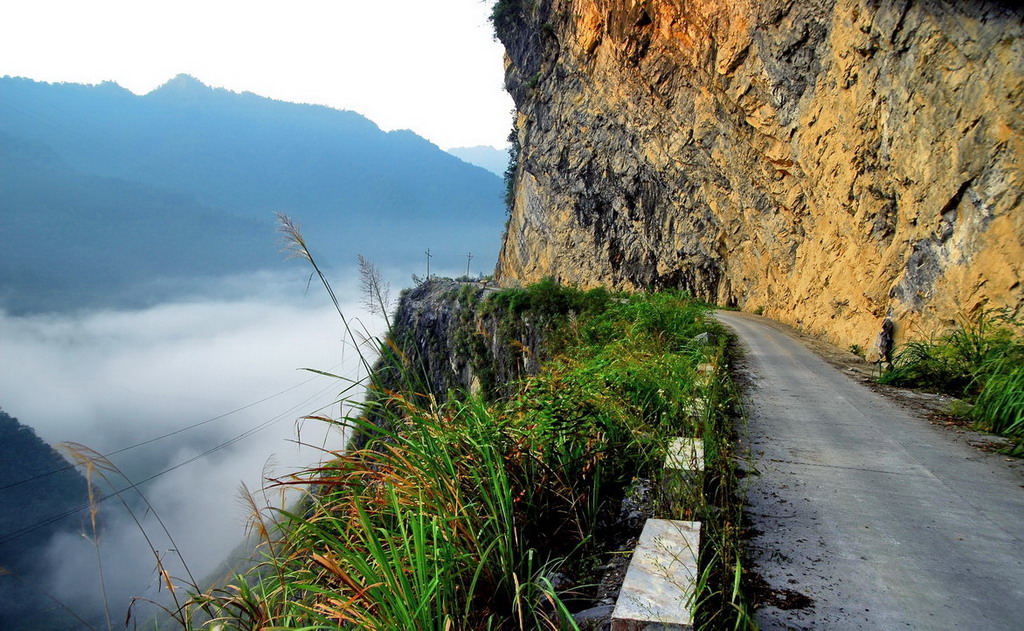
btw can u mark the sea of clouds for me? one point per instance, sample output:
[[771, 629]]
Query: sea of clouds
[[111, 379]]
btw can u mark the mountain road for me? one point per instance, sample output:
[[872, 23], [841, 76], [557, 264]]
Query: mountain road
[[862, 515]]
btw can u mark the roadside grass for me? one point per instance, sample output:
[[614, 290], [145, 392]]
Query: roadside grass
[[456, 515], [981, 359], [464, 511]]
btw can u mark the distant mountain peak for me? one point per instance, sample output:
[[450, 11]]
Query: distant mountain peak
[[183, 85], [491, 158]]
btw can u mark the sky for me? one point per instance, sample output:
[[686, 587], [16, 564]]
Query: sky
[[429, 66]]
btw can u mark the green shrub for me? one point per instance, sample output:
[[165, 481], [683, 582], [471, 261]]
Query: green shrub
[[999, 407], [980, 359], [514, 151]]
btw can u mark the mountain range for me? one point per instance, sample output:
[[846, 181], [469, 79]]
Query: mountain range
[[105, 194], [494, 160]]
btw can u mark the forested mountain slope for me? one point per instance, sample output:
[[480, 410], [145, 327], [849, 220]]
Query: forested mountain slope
[[102, 186], [51, 487]]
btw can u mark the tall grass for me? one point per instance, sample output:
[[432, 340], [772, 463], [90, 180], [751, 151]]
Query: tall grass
[[980, 359], [424, 528], [98, 468], [455, 512], [999, 406]]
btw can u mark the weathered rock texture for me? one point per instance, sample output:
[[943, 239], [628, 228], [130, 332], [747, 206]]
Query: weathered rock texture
[[832, 163], [445, 336]]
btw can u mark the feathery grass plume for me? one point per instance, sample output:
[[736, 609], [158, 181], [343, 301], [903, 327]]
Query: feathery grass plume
[[376, 291], [96, 463], [81, 457], [294, 245]]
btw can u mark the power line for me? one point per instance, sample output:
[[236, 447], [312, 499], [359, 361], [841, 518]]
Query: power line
[[162, 437], [11, 536]]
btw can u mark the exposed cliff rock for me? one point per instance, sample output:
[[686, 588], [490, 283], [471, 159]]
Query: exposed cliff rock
[[449, 335], [832, 163]]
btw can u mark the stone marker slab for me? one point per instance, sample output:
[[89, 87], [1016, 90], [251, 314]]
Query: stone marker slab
[[695, 408], [683, 478], [686, 454], [658, 591], [706, 373]]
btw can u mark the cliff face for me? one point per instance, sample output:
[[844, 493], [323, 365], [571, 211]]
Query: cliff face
[[832, 163], [444, 337]]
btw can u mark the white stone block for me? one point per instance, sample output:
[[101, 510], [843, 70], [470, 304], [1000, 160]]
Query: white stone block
[[695, 408], [659, 590], [685, 454]]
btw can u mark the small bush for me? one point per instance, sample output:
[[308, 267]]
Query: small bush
[[505, 13], [514, 151], [980, 359]]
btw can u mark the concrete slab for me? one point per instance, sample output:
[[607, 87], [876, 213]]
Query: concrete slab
[[682, 480], [686, 454], [706, 373], [695, 408], [660, 585]]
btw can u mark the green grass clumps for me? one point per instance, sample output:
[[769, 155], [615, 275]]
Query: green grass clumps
[[530, 326], [547, 299], [461, 514], [999, 406], [505, 14], [981, 359]]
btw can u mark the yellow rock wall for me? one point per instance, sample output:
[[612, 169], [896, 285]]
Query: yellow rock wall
[[832, 163]]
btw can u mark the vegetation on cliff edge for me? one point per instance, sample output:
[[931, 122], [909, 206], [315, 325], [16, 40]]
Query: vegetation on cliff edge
[[466, 514]]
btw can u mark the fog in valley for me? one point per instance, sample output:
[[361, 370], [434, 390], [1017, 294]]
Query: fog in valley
[[147, 314], [229, 358]]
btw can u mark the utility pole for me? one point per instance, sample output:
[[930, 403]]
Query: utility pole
[[428, 262], [469, 259]]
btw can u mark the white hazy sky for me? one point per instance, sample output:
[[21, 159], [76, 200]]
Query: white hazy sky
[[427, 65]]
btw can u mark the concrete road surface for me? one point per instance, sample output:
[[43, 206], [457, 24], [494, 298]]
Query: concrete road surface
[[865, 516]]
